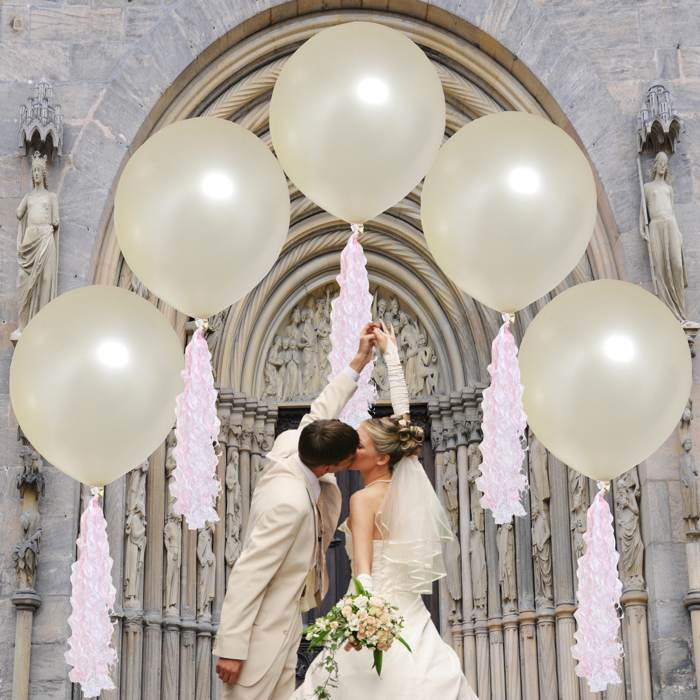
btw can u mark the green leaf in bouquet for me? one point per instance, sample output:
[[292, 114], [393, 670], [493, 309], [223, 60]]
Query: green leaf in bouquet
[[378, 658], [405, 643], [359, 587]]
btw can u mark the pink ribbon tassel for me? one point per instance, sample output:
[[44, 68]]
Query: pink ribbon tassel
[[598, 647], [195, 483], [91, 653], [503, 481], [352, 311]]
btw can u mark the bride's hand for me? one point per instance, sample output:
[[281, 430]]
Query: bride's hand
[[383, 336]]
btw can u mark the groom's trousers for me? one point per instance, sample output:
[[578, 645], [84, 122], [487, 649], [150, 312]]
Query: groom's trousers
[[280, 681]]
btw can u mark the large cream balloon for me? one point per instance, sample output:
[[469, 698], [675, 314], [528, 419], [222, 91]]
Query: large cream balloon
[[508, 208], [357, 117], [201, 214], [607, 374], [93, 382]]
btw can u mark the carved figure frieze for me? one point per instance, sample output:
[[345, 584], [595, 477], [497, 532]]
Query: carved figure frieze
[[477, 547], [453, 554], [234, 517], [628, 527], [37, 247], [206, 571], [26, 551], [172, 543], [541, 530], [505, 541], [296, 365], [135, 531], [578, 488]]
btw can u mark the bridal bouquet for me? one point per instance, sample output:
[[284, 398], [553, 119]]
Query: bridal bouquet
[[360, 619]]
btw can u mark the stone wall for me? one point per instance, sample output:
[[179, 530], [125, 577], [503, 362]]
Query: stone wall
[[114, 63]]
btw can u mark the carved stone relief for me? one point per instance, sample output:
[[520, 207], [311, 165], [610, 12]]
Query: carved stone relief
[[578, 488], [26, 551], [690, 478], [37, 247], [172, 534], [41, 123], [206, 571], [234, 518], [657, 125], [135, 531], [297, 367], [627, 511], [506, 567], [477, 547], [541, 531], [32, 474], [453, 555]]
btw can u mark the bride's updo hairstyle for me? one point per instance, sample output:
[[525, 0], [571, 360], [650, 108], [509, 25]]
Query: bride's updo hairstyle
[[396, 437]]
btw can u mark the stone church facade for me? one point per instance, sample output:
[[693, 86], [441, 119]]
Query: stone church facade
[[120, 70]]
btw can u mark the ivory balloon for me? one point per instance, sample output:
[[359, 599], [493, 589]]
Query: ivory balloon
[[508, 208], [607, 374], [93, 382], [357, 117], [201, 214]]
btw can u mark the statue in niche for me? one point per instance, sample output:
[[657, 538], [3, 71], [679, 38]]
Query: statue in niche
[[380, 375], [170, 465], [274, 383], [32, 474], [293, 330], [139, 288], [478, 567], [539, 515], [627, 512], [505, 541], [234, 519], [691, 487], [206, 571], [172, 543], [135, 531], [665, 241], [307, 342], [325, 345], [37, 247], [408, 345], [453, 554], [292, 376], [26, 551], [427, 376], [578, 488]]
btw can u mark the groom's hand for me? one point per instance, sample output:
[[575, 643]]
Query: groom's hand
[[364, 352], [228, 670]]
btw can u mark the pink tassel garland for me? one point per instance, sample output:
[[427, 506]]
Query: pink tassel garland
[[196, 485], [503, 481], [91, 652], [598, 647], [352, 311]]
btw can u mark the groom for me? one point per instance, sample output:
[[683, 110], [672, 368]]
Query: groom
[[281, 571]]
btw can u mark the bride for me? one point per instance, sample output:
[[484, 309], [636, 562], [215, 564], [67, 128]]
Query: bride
[[393, 538]]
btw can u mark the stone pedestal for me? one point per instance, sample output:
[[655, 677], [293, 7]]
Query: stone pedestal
[[512, 653], [482, 658], [547, 654], [566, 626], [635, 604], [528, 660], [26, 601], [171, 657], [498, 676]]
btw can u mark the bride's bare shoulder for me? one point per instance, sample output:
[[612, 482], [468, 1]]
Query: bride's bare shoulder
[[367, 500]]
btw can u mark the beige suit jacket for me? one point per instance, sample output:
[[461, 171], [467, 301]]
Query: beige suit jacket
[[264, 595]]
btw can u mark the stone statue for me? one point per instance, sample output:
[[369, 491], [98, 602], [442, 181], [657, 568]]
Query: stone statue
[[627, 512], [408, 344], [324, 346], [32, 474], [453, 555], [393, 316], [206, 571], [37, 247], [665, 241], [292, 377], [578, 488], [478, 567], [234, 519], [427, 376], [474, 472], [275, 360], [212, 335], [541, 532], [135, 531], [139, 288], [170, 465], [26, 551], [292, 330], [268, 439], [172, 542], [310, 374], [505, 541], [380, 375], [378, 308], [691, 486]]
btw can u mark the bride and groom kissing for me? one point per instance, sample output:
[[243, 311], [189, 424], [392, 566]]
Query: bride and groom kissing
[[393, 538]]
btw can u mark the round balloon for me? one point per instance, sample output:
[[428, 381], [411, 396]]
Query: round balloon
[[607, 374], [93, 382], [201, 214], [357, 117], [508, 208]]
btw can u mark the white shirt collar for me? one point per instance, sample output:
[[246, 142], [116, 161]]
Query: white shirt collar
[[313, 479]]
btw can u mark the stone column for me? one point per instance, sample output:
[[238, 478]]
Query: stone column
[[153, 575], [257, 461], [188, 625], [495, 620], [236, 439], [563, 579], [526, 599], [468, 632], [245, 449]]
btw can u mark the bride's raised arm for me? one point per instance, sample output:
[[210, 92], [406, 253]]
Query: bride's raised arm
[[397, 381]]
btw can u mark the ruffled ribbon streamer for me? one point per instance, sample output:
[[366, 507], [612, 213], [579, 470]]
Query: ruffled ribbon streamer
[[195, 483], [91, 653], [503, 480], [351, 312], [598, 648]]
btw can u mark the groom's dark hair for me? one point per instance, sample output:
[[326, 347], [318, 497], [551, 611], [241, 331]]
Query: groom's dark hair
[[327, 442]]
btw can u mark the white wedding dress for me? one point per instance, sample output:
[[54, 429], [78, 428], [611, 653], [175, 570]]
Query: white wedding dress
[[405, 563]]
